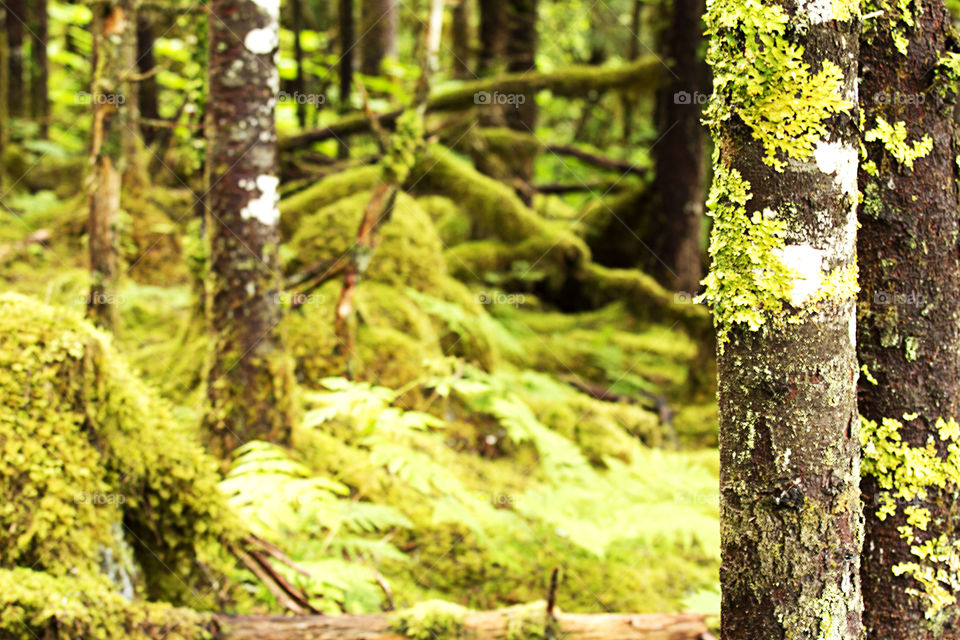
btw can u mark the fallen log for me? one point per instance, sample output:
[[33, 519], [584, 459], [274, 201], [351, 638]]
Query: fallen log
[[572, 81], [480, 625]]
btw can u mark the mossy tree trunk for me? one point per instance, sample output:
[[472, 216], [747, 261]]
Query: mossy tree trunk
[[16, 19], [300, 81], [679, 156], [378, 28], [461, 47], [39, 101], [493, 36], [108, 96], [248, 376], [909, 325], [782, 287]]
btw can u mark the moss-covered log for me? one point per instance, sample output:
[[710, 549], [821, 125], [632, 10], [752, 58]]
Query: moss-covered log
[[516, 623], [572, 82]]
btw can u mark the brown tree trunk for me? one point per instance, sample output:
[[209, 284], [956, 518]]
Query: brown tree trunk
[[909, 324], [39, 102], [627, 101], [521, 51], [679, 155], [460, 40], [347, 45], [784, 255], [299, 83], [108, 96], [493, 36], [134, 173], [16, 20], [147, 92], [249, 381], [4, 101], [378, 34]]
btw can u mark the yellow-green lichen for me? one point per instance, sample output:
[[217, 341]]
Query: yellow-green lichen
[[748, 281], [894, 139], [909, 474], [761, 77], [898, 17]]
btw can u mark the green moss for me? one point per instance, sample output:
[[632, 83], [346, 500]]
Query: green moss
[[88, 446], [433, 620], [323, 193], [529, 622]]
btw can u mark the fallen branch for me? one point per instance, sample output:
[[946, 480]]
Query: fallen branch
[[597, 160], [572, 82]]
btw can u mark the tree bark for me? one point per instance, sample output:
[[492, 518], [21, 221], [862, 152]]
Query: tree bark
[[460, 40], [248, 377], [378, 29], [521, 51], [493, 36], [300, 82], [347, 45], [147, 88], [909, 311], [39, 102], [16, 19], [679, 156], [480, 625], [4, 96], [784, 253], [108, 96]]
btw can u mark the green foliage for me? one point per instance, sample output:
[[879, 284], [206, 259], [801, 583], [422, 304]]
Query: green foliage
[[894, 140]]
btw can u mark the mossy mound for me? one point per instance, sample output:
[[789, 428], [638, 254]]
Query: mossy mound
[[103, 480]]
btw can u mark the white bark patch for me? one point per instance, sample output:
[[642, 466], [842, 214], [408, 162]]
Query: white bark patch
[[270, 7], [818, 11], [841, 161], [262, 41], [264, 209], [807, 264]]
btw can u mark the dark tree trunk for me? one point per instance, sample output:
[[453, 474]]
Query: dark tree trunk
[[784, 255], [134, 173], [628, 101], [147, 93], [16, 20], [909, 336], [679, 155], [521, 51], [460, 40], [493, 36], [248, 378], [299, 83], [39, 102], [4, 101], [347, 45], [378, 29]]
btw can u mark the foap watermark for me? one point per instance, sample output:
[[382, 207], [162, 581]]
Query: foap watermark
[[685, 297], [298, 299], [87, 98], [500, 499], [496, 297], [697, 97], [101, 299], [487, 98], [913, 299], [895, 97], [314, 99], [711, 499], [99, 499]]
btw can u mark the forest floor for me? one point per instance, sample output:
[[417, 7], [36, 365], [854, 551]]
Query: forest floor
[[549, 412]]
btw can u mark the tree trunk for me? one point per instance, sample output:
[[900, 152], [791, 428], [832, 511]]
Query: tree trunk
[[108, 96], [16, 19], [679, 157], [628, 101], [909, 336], [460, 40], [378, 29], [493, 36], [249, 380], [521, 51], [782, 287], [479, 625], [147, 92], [134, 173], [347, 42], [39, 102], [4, 97], [299, 83]]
